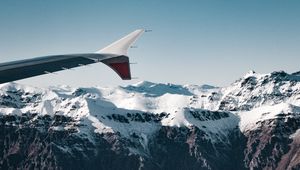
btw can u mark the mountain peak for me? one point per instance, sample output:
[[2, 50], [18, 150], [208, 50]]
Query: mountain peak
[[143, 84], [157, 89], [296, 73], [249, 73]]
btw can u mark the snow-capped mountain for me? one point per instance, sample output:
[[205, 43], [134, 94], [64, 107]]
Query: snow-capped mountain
[[251, 124]]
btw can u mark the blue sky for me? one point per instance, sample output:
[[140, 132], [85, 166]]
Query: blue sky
[[192, 42]]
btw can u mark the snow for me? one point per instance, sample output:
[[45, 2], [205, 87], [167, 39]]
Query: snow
[[296, 134], [255, 97], [250, 73], [250, 118], [99, 127], [158, 89]]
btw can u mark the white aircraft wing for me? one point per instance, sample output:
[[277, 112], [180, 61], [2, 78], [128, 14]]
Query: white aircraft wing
[[114, 56]]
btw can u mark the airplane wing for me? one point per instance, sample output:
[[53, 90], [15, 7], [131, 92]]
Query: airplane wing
[[114, 56]]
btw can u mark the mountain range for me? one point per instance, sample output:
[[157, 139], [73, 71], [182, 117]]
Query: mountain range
[[251, 124]]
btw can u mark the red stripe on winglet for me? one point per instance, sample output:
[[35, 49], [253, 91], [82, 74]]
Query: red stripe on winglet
[[122, 69]]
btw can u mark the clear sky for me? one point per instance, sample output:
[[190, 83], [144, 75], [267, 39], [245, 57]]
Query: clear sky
[[192, 42]]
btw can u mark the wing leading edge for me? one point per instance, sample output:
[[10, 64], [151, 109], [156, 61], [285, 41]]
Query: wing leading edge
[[114, 56]]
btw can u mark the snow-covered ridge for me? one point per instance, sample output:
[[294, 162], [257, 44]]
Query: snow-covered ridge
[[143, 107]]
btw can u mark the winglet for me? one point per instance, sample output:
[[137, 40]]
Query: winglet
[[121, 46], [120, 65]]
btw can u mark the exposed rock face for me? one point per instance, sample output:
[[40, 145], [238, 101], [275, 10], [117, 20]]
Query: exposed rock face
[[26, 144], [252, 124], [192, 149]]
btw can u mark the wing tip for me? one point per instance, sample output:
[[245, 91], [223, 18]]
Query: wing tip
[[121, 46]]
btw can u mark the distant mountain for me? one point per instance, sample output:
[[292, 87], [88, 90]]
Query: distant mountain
[[251, 124]]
